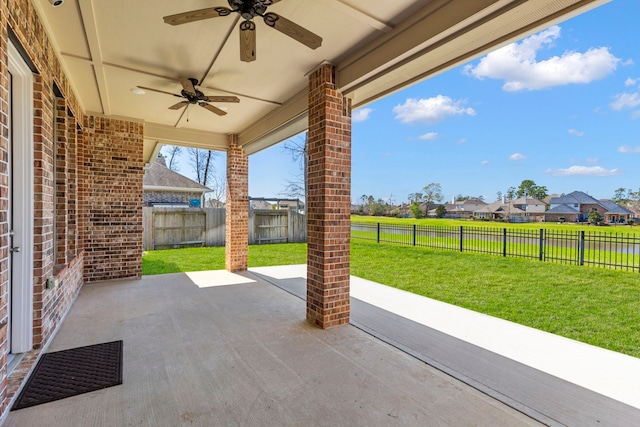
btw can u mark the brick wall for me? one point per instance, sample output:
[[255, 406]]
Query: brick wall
[[111, 198], [85, 197], [237, 206], [49, 305], [328, 201], [555, 217], [155, 196]]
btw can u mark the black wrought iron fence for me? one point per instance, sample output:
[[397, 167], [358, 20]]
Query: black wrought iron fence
[[611, 250]]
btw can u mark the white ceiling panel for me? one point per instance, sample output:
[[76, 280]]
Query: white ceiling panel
[[378, 46]]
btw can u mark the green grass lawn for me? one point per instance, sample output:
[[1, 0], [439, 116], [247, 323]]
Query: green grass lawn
[[596, 306], [445, 222], [200, 259]]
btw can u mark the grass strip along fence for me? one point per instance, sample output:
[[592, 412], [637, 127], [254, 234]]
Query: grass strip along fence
[[576, 247]]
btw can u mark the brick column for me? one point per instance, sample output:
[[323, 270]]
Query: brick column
[[237, 205], [328, 201]]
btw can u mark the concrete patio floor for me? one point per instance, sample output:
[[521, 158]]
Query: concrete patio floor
[[215, 348]]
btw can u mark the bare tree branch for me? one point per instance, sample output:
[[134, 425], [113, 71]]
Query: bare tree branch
[[171, 153]]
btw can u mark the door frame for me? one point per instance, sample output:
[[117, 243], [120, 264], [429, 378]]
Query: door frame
[[21, 280]]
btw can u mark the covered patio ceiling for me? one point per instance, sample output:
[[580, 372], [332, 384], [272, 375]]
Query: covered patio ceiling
[[109, 47]]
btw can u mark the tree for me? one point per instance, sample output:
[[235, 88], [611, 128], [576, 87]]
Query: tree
[[415, 197], [528, 188], [297, 148], [499, 196], [415, 210], [202, 162], [511, 193], [432, 193], [595, 217], [171, 154], [441, 211], [619, 196]]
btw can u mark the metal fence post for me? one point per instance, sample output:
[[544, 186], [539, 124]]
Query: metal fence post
[[504, 241], [414, 234], [461, 237], [378, 237], [581, 250], [541, 255]]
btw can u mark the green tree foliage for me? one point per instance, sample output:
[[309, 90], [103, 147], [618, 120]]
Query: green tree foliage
[[432, 193], [415, 210], [528, 188], [441, 211], [595, 217], [622, 195]]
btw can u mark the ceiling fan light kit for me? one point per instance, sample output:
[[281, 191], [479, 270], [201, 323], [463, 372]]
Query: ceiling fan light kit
[[249, 9]]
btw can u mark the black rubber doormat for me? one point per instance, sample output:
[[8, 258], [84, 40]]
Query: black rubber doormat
[[71, 372]]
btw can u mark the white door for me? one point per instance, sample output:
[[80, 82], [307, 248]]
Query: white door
[[20, 209]]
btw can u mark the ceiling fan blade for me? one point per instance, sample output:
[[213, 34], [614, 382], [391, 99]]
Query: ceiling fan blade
[[212, 108], [159, 91], [187, 85], [293, 30], [179, 105], [247, 41], [196, 15], [222, 99]]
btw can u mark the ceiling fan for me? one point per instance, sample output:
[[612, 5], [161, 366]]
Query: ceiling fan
[[249, 9], [194, 96]]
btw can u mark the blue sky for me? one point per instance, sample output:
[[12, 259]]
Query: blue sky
[[561, 108]]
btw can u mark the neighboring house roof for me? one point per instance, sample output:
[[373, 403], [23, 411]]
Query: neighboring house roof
[[563, 209], [575, 197], [614, 208], [493, 207], [260, 204], [527, 201], [159, 177]]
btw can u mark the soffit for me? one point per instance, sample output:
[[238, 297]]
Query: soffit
[[109, 47]]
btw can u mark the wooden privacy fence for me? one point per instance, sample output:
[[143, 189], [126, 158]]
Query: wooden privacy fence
[[169, 228]]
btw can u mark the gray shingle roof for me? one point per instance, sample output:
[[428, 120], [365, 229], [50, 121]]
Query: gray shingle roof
[[564, 209], [572, 198], [614, 208], [158, 175]]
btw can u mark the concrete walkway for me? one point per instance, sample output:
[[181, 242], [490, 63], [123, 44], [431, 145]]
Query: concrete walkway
[[580, 367]]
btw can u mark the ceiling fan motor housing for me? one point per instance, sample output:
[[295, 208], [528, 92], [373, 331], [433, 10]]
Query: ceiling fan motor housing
[[248, 9], [193, 99]]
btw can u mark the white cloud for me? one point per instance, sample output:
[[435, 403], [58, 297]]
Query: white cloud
[[428, 136], [591, 160], [461, 141], [518, 66], [517, 156], [361, 114], [625, 149], [584, 170], [484, 162], [430, 110], [625, 100], [630, 82], [575, 132]]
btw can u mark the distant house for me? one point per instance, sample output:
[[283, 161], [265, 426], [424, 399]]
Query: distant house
[[276, 204], [459, 208], [524, 209], [575, 207], [163, 187], [616, 213]]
